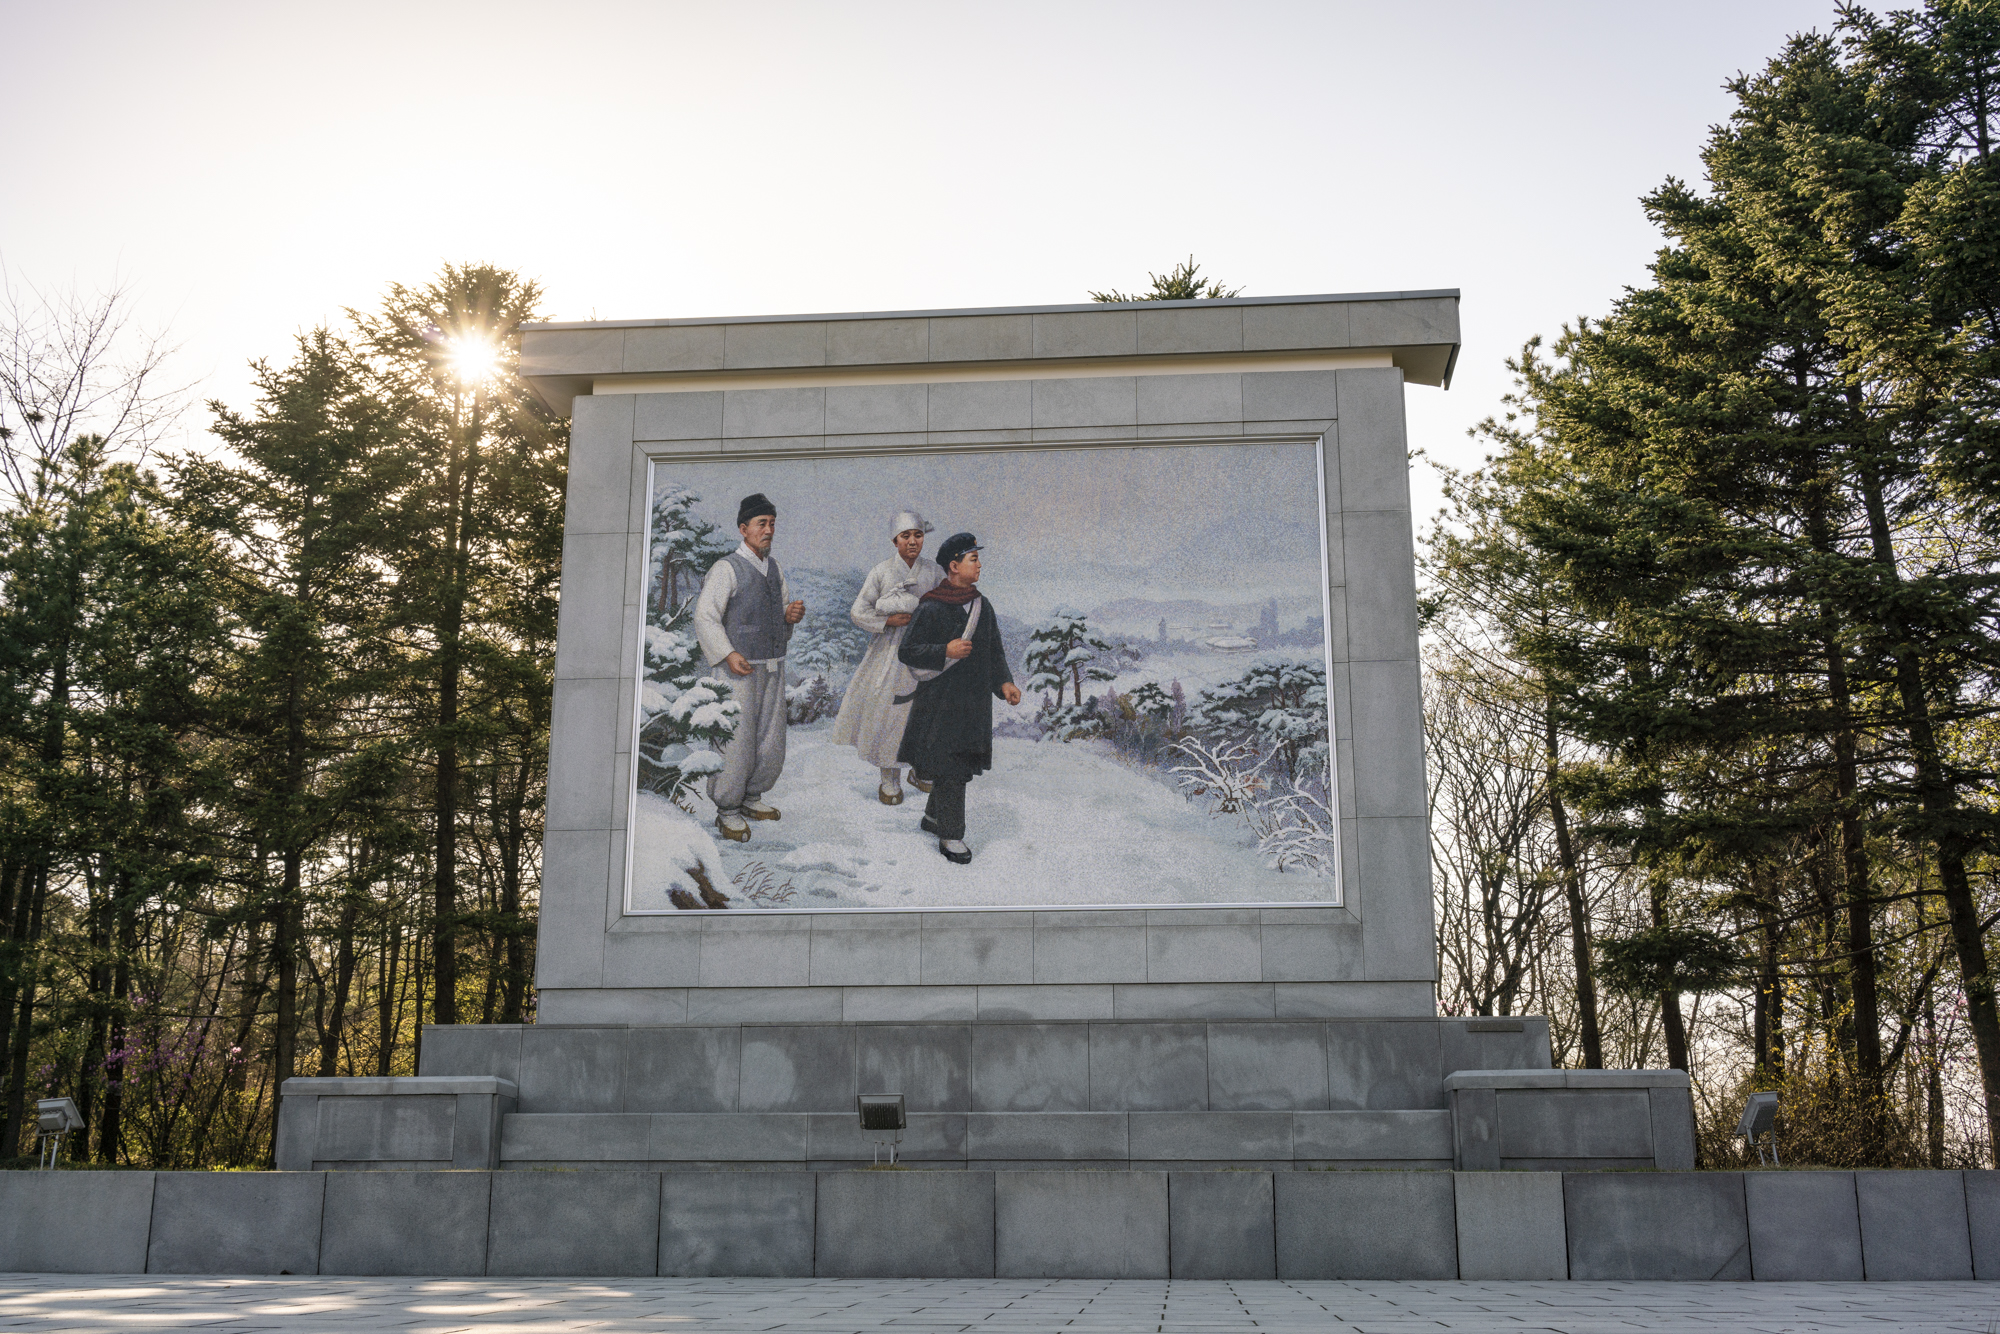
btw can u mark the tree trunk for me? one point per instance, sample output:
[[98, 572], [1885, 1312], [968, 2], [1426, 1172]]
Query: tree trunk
[[463, 481], [1867, 1030], [385, 1001], [514, 988], [14, 881], [24, 1022], [1933, 1085], [1770, 993], [343, 979], [286, 929], [97, 1004], [1572, 876], [1829, 985], [444, 906], [1671, 1024], [1938, 798], [111, 1138]]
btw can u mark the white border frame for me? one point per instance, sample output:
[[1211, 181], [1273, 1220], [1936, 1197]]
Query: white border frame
[[655, 461]]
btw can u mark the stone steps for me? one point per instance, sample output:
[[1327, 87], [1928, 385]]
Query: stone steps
[[1407, 1138], [1096, 1066]]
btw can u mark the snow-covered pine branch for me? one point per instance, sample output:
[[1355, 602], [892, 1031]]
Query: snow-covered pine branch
[[682, 550], [685, 717], [1279, 708]]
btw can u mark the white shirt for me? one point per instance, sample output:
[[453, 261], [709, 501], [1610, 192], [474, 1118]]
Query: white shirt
[[716, 590], [884, 582]]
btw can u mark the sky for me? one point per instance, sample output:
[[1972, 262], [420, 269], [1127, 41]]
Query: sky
[[246, 171], [1058, 527]]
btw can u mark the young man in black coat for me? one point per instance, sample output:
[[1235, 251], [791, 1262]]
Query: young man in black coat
[[954, 648]]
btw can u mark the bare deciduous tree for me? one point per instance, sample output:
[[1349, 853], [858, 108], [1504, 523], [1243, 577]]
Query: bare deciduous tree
[[72, 363]]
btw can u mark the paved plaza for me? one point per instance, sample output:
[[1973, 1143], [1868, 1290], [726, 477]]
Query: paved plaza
[[46, 1303]]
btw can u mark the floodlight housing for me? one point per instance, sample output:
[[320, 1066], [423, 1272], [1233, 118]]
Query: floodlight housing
[[881, 1111], [55, 1116], [1760, 1120], [1759, 1114], [882, 1116]]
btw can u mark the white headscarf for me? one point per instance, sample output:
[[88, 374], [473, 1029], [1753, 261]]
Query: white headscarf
[[906, 520]]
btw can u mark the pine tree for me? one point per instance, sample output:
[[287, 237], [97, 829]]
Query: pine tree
[[484, 459], [301, 518], [1278, 708], [683, 548], [685, 715], [1064, 654], [1183, 282], [1737, 486]]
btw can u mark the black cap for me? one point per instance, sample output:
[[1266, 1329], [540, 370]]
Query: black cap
[[955, 547], [754, 504]]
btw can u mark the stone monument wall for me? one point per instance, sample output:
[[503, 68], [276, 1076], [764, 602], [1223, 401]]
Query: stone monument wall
[[1327, 371]]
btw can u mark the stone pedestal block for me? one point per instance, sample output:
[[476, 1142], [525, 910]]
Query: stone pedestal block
[[405, 1123], [1510, 1225], [752, 1224], [1913, 1225], [1656, 1225], [1366, 1225], [1982, 1215], [1222, 1225], [1080, 1224], [904, 1224], [236, 1223], [75, 1222], [405, 1223], [1803, 1226], [1567, 1120], [556, 1224]]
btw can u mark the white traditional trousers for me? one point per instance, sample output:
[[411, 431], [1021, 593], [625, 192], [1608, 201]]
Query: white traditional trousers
[[754, 756]]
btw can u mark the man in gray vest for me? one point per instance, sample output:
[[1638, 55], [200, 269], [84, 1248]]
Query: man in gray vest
[[744, 619]]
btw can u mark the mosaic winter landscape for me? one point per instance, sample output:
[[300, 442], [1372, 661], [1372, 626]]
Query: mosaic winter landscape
[[832, 649]]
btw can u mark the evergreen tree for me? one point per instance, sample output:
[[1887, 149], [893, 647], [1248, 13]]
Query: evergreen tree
[[484, 460], [1732, 487], [1064, 654], [1277, 708], [1183, 282], [301, 518]]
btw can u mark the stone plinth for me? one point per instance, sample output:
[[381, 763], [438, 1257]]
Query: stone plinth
[[1566, 1120], [1126, 1094], [406, 1123]]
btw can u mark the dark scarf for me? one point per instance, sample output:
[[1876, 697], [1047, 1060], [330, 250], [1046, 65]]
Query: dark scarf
[[952, 595]]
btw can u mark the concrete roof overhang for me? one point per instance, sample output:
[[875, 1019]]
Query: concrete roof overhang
[[1416, 331]]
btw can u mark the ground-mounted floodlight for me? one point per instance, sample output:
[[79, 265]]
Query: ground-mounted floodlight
[[882, 1116], [1760, 1117], [55, 1117]]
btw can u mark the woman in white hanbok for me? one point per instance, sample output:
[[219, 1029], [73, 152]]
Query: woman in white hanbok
[[870, 719]]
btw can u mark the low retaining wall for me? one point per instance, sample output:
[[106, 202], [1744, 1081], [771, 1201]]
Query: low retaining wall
[[966, 1224]]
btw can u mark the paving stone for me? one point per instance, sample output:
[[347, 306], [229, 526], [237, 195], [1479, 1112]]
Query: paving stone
[[902, 1306]]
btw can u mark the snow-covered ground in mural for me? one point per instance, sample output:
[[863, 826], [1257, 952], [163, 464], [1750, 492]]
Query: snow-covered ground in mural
[[1051, 824]]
